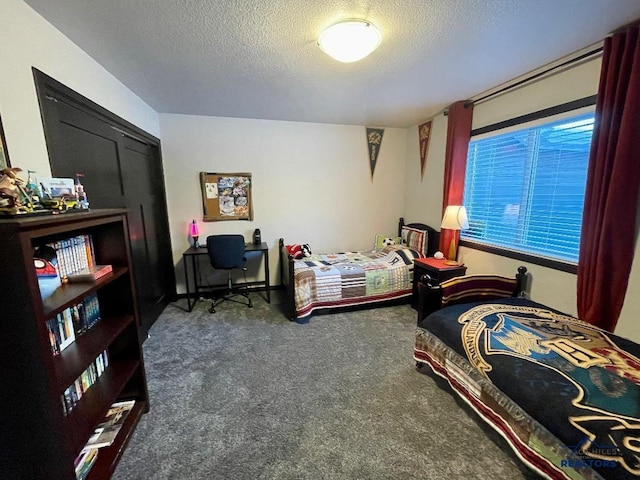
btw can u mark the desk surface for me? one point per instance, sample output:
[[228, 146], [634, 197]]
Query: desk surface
[[248, 247]]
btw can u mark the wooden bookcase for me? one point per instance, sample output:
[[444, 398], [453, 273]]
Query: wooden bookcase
[[40, 441]]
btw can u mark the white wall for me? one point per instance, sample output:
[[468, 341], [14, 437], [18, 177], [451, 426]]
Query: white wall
[[548, 286], [30, 41], [311, 182]]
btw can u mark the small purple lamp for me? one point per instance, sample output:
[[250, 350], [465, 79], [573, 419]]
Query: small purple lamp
[[193, 231]]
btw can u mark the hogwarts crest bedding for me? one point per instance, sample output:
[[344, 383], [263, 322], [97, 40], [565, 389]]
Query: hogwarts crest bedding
[[564, 394]]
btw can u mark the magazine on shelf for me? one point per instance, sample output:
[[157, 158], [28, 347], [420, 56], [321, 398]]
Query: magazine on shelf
[[84, 462], [106, 432]]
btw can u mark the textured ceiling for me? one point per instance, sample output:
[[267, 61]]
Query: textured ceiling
[[259, 59]]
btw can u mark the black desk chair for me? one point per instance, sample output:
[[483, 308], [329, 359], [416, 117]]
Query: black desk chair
[[226, 252]]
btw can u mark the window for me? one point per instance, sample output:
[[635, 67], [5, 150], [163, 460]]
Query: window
[[524, 187]]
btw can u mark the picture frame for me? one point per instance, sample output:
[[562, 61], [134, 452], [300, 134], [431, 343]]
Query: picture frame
[[4, 154], [226, 196]]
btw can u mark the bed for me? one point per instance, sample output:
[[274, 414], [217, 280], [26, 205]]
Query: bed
[[564, 394], [331, 282]]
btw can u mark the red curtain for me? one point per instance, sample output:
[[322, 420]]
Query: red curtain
[[458, 135], [613, 183]]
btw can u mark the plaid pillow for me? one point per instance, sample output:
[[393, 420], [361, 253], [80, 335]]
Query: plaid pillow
[[476, 288], [415, 239]]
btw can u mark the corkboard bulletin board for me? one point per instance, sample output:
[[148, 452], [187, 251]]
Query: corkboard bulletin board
[[226, 196]]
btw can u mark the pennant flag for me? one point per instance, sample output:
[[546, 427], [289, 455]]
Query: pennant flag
[[424, 132], [374, 139]]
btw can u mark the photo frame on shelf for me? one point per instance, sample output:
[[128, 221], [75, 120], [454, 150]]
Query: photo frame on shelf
[[226, 196], [4, 155]]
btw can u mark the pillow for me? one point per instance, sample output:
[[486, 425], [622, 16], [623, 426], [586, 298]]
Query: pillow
[[382, 241], [415, 239], [298, 250], [476, 288]]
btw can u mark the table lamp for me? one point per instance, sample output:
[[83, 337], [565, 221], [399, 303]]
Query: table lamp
[[455, 218], [193, 231]]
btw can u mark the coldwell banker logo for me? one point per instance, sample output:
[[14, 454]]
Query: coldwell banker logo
[[595, 458]]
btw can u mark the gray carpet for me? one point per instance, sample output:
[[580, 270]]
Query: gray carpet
[[246, 394]]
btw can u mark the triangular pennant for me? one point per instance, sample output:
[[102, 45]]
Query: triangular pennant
[[374, 139], [424, 133]]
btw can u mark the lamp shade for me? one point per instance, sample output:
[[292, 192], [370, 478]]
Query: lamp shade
[[193, 229], [455, 218], [350, 41]]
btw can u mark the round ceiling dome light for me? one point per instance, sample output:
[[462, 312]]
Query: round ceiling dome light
[[350, 40]]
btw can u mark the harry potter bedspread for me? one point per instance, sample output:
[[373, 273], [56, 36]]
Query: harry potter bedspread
[[580, 383]]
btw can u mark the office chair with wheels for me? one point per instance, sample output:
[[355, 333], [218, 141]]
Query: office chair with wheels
[[226, 252]]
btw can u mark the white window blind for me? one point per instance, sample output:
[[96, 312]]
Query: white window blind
[[524, 189]]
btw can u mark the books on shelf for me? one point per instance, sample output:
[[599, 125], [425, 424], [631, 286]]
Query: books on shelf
[[73, 321], [84, 462], [66, 256], [107, 431], [77, 389], [90, 274]]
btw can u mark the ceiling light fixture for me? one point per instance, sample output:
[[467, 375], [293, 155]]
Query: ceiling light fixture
[[350, 40]]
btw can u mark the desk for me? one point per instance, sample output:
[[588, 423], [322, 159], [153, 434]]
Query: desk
[[193, 253]]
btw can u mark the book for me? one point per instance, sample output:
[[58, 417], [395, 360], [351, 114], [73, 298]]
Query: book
[[84, 462], [105, 433], [89, 274]]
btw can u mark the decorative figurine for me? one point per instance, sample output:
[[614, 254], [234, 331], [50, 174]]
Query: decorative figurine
[[14, 199], [32, 187], [81, 195]]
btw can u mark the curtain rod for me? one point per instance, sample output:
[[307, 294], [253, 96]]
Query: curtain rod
[[535, 76]]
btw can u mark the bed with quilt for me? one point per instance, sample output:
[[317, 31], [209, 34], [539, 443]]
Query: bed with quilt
[[331, 282], [564, 394]]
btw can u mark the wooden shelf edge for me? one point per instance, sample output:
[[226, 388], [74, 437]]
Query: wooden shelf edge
[[69, 294], [109, 457]]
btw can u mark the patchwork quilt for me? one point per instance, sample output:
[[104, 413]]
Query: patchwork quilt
[[352, 278], [537, 375]]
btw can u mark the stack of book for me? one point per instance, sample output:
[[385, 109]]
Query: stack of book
[[90, 274]]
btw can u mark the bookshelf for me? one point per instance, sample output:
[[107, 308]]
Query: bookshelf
[[41, 439]]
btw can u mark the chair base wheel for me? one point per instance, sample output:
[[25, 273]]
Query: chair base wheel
[[230, 297]]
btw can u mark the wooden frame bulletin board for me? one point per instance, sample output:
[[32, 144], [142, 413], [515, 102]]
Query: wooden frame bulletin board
[[226, 196]]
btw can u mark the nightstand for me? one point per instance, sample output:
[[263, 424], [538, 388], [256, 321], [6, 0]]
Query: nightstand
[[437, 270]]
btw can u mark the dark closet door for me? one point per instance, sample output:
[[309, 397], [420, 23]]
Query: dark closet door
[[121, 168], [149, 226]]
